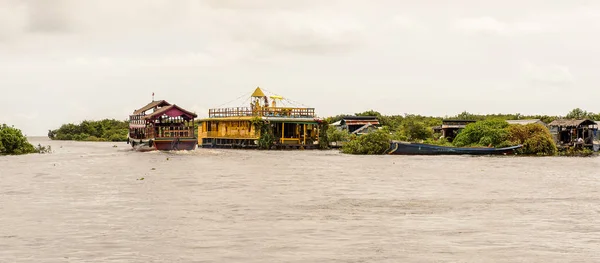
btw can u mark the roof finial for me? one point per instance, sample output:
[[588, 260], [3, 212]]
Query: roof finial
[[258, 93], [153, 96]]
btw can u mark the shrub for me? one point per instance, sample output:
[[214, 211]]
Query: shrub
[[535, 138], [12, 141], [376, 142], [266, 138], [337, 135], [483, 133], [440, 142], [574, 152]]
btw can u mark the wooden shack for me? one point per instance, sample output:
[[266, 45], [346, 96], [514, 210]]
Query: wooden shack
[[357, 124], [451, 128], [566, 132]]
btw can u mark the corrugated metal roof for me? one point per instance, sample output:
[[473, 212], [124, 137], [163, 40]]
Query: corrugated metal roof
[[361, 122], [525, 122]]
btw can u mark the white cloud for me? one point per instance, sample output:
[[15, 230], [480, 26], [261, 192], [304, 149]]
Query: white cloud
[[13, 19], [481, 24], [487, 24], [407, 23], [553, 75]]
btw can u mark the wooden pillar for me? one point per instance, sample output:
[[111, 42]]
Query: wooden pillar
[[282, 131], [304, 134]]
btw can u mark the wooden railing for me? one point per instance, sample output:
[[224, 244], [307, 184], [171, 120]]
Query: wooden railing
[[166, 132], [266, 112], [136, 119], [216, 134]]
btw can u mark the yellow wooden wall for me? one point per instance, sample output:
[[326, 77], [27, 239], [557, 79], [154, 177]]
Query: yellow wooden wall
[[227, 129]]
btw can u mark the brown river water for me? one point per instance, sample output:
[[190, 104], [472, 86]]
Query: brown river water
[[86, 203]]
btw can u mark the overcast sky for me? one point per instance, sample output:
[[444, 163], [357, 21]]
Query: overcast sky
[[65, 61]]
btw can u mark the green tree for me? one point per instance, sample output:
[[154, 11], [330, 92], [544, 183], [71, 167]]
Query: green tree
[[577, 113], [12, 141], [468, 116], [323, 135], [414, 130]]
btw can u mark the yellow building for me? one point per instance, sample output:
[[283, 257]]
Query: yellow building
[[262, 123]]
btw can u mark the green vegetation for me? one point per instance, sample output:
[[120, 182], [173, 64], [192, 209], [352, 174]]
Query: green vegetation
[[267, 139], [487, 133], [324, 135], [490, 130], [337, 135], [415, 128], [535, 138], [13, 142], [376, 142], [573, 152], [103, 130]]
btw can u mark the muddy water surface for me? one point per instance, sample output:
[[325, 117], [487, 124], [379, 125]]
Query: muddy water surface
[[92, 202]]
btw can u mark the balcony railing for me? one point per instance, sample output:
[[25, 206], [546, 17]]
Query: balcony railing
[[170, 132], [264, 112], [216, 134]]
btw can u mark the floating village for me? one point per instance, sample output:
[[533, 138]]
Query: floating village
[[160, 125]]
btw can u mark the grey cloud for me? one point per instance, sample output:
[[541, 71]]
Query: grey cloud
[[49, 16], [110, 55], [301, 32]]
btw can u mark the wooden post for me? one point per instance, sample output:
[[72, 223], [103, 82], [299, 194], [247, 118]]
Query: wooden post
[[282, 132], [304, 134]]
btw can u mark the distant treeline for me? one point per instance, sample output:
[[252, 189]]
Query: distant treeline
[[103, 130], [396, 121]]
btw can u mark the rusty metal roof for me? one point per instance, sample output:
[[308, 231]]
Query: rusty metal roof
[[360, 118]]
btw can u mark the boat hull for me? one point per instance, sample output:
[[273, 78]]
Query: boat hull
[[164, 144], [175, 144], [402, 148]]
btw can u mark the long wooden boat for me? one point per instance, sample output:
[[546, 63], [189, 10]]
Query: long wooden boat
[[162, 126], [406, 148]]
